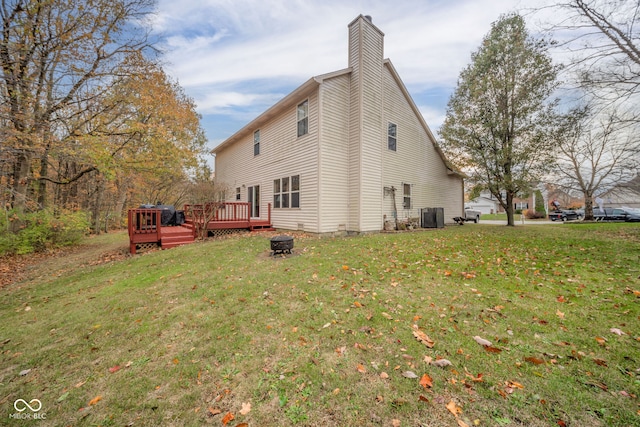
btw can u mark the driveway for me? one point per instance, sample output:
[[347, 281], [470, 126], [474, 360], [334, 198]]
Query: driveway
[[519, 222]]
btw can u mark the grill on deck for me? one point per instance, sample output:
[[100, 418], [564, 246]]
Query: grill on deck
[[281, 244]]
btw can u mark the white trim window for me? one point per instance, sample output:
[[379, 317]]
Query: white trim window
[[392, 137], [286, 192], [303, 118], [256, 142], [238, 194]]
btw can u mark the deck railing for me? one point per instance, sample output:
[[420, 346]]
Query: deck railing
[[144, 221], [219, 212]]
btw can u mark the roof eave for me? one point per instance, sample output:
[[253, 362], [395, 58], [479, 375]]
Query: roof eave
[[285, 103]]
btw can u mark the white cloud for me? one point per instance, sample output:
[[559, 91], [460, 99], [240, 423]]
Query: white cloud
[[230, 54]]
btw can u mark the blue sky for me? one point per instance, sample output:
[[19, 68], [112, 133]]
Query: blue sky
[[236, 58]]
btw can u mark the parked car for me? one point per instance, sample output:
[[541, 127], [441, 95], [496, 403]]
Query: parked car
[[564, 215], [471, 215], [617, 214]]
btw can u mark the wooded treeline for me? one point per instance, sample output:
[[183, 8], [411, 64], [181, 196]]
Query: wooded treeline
[[88, 118]]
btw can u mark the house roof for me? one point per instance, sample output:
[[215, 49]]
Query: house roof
[[302, 91], [281, 106]]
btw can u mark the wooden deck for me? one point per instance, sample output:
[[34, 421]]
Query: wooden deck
[[145, 228]]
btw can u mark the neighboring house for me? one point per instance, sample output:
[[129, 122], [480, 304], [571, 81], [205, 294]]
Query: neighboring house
[[625, 194], [485, 203], [343, 152]]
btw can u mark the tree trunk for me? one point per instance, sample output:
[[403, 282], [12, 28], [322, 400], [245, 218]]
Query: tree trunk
[[42, 184], [510, 209], [95, 211], [588, 206], [21, 176], [120, 203]]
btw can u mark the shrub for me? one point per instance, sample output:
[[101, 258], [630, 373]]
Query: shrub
[[41, 230], [530, 214]]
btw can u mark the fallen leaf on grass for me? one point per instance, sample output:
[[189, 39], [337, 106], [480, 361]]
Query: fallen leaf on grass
[[476, 379], [361, 368], [409, 374], [422, 337], [246, 408], [114, 369], [482, 341], [214, 411], [453, 408], [426, 381], [616, 331], [491, 349], [441, 363], [601, 341], [462, 423], [227, 418], [534, 360], [600, 362], [95, 400], [384, 375]]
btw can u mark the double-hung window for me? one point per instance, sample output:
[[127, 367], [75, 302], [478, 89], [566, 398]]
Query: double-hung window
[[303, 118], [237, 193], [392, 137], [286, 192], [406, 192], [256, 142]]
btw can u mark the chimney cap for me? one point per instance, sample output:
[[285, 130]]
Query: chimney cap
[[368, 18]]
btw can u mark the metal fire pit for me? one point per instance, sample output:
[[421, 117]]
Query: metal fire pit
[[281, 244]]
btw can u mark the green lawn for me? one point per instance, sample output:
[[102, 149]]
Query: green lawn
[[346, 332]]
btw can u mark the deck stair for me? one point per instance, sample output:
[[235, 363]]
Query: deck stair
[[177, 235]]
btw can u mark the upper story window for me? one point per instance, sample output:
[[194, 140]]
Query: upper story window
[[392, 133], [256, 142], [237, 193], [303, 118]]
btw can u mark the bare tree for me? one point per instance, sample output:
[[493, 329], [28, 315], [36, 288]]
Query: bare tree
[[603, 37], [597, 152], [206, 196]]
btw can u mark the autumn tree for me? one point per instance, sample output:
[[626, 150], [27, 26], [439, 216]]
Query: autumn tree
[[498, 122], [57, 57], [150, 141]]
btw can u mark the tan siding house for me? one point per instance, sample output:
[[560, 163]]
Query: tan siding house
[[331, 156]]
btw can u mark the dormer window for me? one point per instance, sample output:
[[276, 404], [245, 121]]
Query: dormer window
[[303, 118]]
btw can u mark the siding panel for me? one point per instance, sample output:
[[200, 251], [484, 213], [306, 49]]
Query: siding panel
[[282, 154], [416, 162]]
